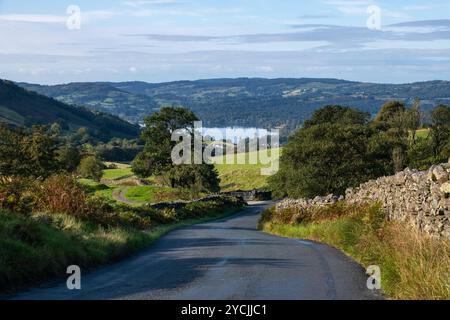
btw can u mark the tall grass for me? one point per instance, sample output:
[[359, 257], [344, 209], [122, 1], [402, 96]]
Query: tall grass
[[413, 265], [41, 246]]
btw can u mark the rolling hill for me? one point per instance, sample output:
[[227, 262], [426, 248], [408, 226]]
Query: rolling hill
[[252, 102], [21, 107], [100, 97]]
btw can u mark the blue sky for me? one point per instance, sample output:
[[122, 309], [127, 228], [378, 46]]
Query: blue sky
[[164, 40]]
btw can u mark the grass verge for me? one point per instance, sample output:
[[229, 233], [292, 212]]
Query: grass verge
[[41, 246], [413, 266]]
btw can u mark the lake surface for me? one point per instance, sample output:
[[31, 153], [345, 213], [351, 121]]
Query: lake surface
[[235, 134]]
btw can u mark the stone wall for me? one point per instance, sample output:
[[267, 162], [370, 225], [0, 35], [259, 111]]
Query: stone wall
[[252, 195], [307, 203], [419, 198], [127, 181]]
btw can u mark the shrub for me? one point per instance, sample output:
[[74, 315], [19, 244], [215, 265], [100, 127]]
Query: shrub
[[134, 220], [293, 215], [68, 158], [191, 210], [91, 168], [61, 194], [15, 195]]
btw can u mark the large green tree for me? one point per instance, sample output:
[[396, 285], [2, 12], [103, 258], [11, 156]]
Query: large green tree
[[329, 155], [338, 115], [390, 111], [31, 153], [440, 132], [69, 158], [398, 125], [156, 156], [91, 168]]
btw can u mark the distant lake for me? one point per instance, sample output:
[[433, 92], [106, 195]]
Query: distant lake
[[234, 134]]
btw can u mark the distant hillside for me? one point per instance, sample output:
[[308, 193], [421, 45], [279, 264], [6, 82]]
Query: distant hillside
[[255, 102], [100, 97], [268, 102], [21, 107]]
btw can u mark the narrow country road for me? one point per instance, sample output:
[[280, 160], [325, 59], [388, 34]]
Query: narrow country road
[[223, 259], [119, 195]]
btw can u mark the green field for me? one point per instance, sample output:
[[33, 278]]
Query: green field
[[98, 188], [232, 176], [153, 194], [137, 195], [115, 174], [423, 133], [241, 176]]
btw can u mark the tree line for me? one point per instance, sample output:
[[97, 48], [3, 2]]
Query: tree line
[[341, 147]]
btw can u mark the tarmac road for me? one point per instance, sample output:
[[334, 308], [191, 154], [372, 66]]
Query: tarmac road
[[223, 259]]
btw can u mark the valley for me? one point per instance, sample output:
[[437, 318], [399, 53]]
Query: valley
[[246, 102]]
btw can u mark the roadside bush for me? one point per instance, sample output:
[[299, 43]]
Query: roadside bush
[[194, 209], [167, 195], [292, 216], [199, 208], [41, 245], [133, 220], [61, 194], [99, 210], [169, 215], [15, 195]]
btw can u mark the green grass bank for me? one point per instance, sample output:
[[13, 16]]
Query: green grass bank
[[413, 266]]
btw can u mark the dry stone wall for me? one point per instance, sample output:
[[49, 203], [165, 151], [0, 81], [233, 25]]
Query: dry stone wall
[[419, 198]]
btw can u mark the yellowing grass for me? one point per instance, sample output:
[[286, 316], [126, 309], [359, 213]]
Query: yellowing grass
[[413, 265]]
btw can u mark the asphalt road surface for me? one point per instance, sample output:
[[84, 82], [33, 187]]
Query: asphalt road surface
[[223, 259]]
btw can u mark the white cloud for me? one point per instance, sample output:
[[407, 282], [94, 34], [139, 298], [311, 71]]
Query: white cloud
[[266, 69], [359, 7], [40, 18], [139, 3], [98, 15], [416, 29], [417, 7], [86, 16], [150, 13], [350, 6]]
